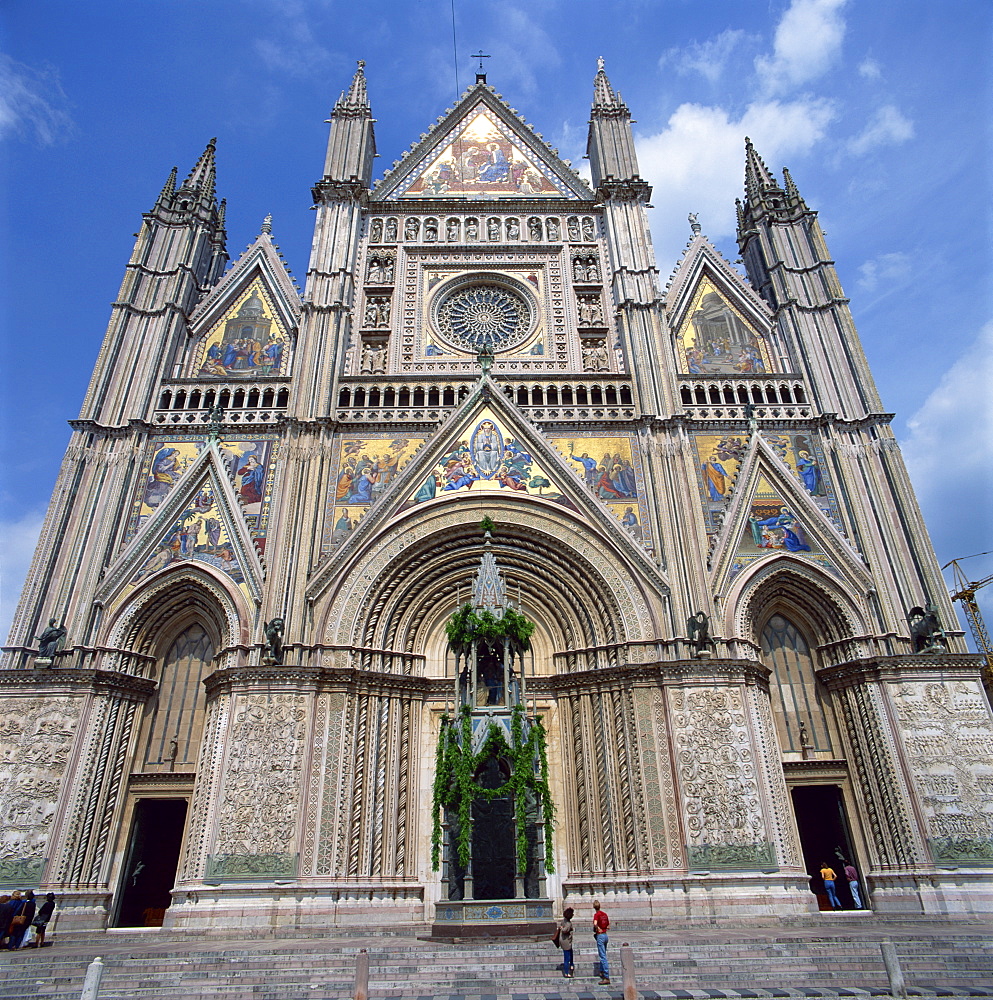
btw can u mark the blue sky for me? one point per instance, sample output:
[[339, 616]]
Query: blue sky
[[881, 111]]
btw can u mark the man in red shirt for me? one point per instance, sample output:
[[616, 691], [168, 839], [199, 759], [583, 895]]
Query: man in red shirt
[[600, 924]]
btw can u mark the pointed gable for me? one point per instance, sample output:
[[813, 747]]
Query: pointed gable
[[486, 447], [763, 505], [201, 519], [720, 326], [482, 150], [246, 325]]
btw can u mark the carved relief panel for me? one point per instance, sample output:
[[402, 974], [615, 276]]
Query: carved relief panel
[[947, 736], [36, 738], [717, 779], [260, 796]]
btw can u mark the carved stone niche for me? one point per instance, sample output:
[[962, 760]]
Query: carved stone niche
[[376, 314], [589, 309], [374, 356], [585, 268], [380, 267]]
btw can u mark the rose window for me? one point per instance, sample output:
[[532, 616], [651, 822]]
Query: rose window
[[483, 315]]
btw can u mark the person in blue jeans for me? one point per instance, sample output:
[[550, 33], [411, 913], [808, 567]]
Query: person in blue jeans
[[827, 874], [600, 924], [565, 942]]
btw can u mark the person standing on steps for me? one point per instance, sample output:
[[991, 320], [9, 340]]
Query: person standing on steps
[[565, 942], [600, 924], [827, 874], [44, 915], [21, 919], [853, 884]]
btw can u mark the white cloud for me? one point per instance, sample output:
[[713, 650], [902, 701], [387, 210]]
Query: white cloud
[[950, 448], [870, 69], [887, 268], [807, 43], [32, 102], [696, 164], [887, 127], [19, 540], [290, 46], [708, 58], [949, 454], [521, 45]]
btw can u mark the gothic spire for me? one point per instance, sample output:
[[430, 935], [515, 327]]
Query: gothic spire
[[792, 191], [169, 188], [357, 100], [610, 143], [202, 176], [489, 592], [758, 178], [604, 98], [351, 142]]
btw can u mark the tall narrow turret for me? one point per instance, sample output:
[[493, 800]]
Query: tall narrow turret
[[787, 260], [352, 143], [610, 145], [339, 198], [180, 251], [625, 194]]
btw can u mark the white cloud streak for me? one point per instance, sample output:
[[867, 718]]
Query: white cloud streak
[[950, 448], [32, 103], [887, 127], [696, 163], [290, 46], [886, 269], [870, 69], [20, 537], [709, 58], [806, 45]]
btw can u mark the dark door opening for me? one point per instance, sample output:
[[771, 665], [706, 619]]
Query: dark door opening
[[494, 847], [151, 862], [824, 837]]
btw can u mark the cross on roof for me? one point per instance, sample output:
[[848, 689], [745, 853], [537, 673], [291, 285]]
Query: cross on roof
[[480, 55]]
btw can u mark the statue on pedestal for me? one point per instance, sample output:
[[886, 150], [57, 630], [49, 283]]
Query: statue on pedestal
[[274, 641], [926, 632], [50, 642], [698, 634]]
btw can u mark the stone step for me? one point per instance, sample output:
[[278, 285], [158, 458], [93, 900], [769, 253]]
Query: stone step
[[953, 958]]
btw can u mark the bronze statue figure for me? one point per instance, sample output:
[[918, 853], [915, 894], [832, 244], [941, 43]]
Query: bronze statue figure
[[698, 632], [274, 640], [51, 640]]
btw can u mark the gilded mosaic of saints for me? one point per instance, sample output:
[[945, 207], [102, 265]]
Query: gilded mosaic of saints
[[487, 449]]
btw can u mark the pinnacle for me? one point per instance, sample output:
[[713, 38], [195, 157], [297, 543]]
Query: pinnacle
[[792, 191], [603, 94], [757, 175], [202, 175], [357, 98]]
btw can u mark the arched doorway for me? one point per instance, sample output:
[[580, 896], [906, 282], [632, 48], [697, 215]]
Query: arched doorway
[[163, 772], [811, 747]]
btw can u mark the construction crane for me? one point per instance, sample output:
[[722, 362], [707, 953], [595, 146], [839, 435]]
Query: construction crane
[[965, 591]]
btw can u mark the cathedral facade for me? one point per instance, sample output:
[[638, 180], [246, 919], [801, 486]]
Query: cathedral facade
[[742, 660]]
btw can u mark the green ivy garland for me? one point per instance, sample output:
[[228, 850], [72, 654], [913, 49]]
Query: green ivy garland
[[455, 785], [466, 627]]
